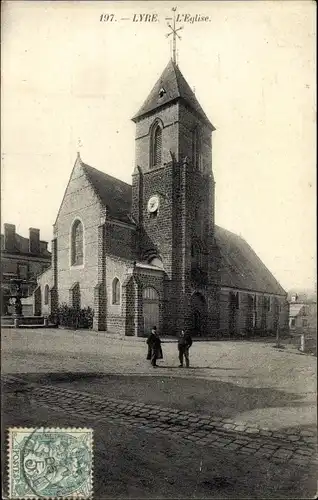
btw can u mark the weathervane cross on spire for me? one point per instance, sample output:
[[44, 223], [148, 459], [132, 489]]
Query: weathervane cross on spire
[[174, 34]]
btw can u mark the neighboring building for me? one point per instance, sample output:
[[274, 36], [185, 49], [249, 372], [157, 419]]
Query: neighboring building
[[150, 253], [302, 297], [23, 258], [302, 315]]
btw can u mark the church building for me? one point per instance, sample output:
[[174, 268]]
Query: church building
[[150, 253]]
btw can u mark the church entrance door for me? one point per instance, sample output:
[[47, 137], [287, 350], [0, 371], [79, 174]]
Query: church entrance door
[[198, 314], [150, 309]]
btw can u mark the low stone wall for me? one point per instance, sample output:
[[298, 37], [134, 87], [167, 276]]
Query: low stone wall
[[32, 320], [23, 321], [116, 324], [27, 309], [7, 321]]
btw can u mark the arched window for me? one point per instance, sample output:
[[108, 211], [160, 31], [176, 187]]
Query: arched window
[[77, 243], [75, 296], [116, 291], [196, 148], [150, 293], [46, 294], [156, 148], [234, 300]]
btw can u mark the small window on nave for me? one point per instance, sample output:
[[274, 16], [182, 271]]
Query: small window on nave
[[116, 291], [46, 295], [267, 303], [77, 244]]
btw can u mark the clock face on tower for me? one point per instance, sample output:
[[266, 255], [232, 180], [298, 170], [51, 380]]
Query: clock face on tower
[[153, 204]]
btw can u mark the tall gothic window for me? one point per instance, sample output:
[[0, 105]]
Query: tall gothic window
[[267, 303], [116, 291], [156, 152], [196, 148], [234, 300], [77, 243]]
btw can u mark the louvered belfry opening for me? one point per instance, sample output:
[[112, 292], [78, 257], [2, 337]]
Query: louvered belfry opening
[[196, 146], [157, 147]]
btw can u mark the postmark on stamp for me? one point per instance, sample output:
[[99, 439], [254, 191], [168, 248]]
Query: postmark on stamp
[[50, 463]]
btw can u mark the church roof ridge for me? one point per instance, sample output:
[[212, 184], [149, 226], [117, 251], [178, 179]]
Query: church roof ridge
[[175, 87], [91, 169], [114, 193], [241, 267]]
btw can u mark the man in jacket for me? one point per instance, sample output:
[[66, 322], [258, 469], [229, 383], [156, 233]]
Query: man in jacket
[[154, 347], [184, 344]]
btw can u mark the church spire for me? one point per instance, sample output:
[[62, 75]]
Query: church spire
[[169, 88], [174, 34]]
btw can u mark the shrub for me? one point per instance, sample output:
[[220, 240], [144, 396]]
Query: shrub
[[72, 317]]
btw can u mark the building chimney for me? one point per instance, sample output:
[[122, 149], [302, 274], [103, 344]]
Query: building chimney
[[34, 240], [9, 237]]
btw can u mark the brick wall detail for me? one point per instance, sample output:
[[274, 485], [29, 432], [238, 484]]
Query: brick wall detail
[[37, 301], [100, 297], [79, 202]]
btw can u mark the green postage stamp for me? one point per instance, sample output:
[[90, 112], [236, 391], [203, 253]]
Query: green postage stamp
[[50, 463]]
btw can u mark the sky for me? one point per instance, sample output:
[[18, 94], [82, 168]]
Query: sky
[[71, 82]]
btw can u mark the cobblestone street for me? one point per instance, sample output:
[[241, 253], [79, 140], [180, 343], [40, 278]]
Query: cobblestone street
[[297, 446], [243, 427]]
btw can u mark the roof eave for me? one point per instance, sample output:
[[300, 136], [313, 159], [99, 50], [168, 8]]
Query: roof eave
[[125, 219], [140, 115]]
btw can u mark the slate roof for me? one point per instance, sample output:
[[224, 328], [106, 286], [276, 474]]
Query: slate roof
[[240, 266], [113, 193], [176, 87]]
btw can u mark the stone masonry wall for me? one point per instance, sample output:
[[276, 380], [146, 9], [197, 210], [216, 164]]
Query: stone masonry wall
[[266, 321], [80, 201], [43, 279], [120, 240], [116, 313], [224, 316], [185, 205], [187, 122], [168, 118]]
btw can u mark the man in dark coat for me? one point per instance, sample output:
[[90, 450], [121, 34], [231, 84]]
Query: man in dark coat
[[184, 344], [154, 347]]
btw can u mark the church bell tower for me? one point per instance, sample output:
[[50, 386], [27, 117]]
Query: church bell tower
[[173, 200]]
